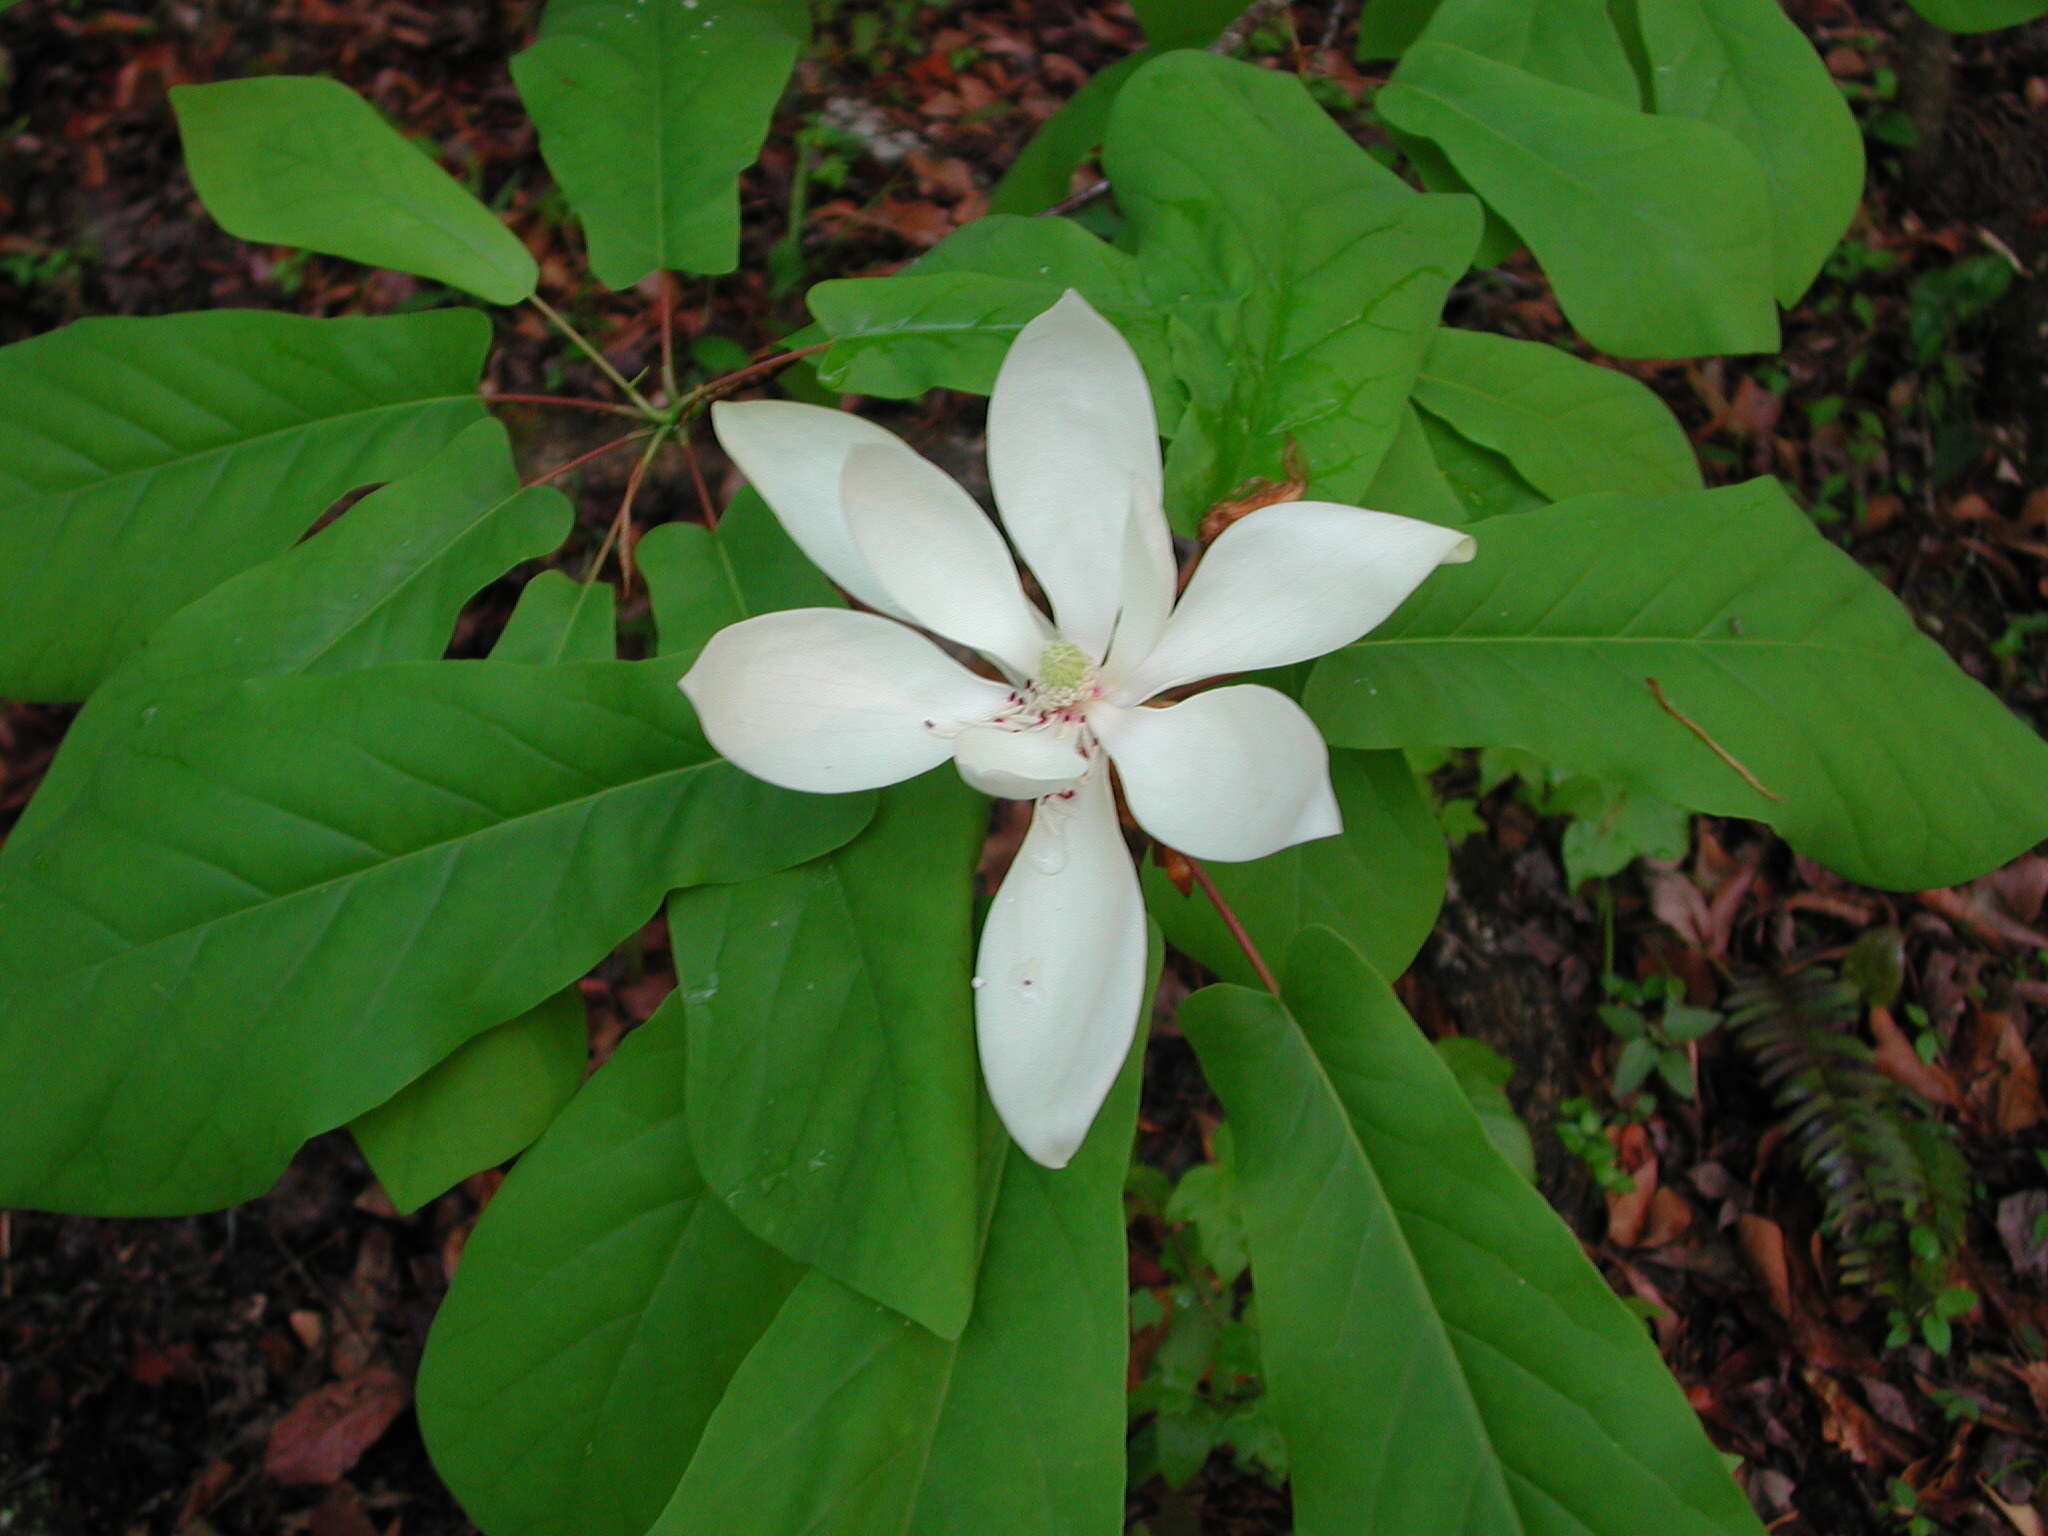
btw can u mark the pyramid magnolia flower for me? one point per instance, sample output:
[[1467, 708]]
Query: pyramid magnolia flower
[[826, 699]]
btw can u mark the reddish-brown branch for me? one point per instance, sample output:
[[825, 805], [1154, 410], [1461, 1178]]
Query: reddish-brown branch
[[780, 359], [572, 401], [585, 458], [616, 534], [1237, 929], [697, 479]]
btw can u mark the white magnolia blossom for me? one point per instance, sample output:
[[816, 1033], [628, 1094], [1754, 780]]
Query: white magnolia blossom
[[827, 699]]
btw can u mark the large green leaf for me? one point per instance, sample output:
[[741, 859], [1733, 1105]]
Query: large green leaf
[[359, 870], [1979, 15], [1655, 231], [603, 1303], [947, 321], [648, 110], [143, 462], [558, 619], [1379, 883], [1304, 278], [848, 1418], [831, 1022], [1745, 65], [485, 1103], [1440, 1357], [1568, 42], [383, 582], [1567, 426], [699, 580], [1886, 761], [303, 160], [1285, 284]]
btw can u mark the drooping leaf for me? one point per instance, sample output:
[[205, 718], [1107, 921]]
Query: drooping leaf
[[145, 461], [648, 110], [832, 1025], [1421, 1308], [379, 865], [947, 321], [384, 582], [603, 1303], [700, 580], [1568, 427], [1303, 278], [1745, 65], [1641, 639], [1379, 882], [847, 1417], [1655, 231], [485, 1103], [303, 160], [1979, 15], [559, 619]]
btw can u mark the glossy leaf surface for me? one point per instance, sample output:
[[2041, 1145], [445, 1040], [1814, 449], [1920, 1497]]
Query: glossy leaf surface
[[380, 864], [832, 1024], [699, 580], [1304, 278], [602, 1305], [847, 1417], [1745, 65], [1379, 882], [145, 461], [485, 1103], [1441, 1358], [559, 619], [383, 582], [1568, 427], [648, 110], [1655, 231], [1887, 762], [303, 160]]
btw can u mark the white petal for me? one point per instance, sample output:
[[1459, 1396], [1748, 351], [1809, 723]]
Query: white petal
[[938, 556], [1061, 973], [825, 700], [1289, 582], [1019, 765], [794, 454], [1072, 446], [1150, 572], [1236, 773]]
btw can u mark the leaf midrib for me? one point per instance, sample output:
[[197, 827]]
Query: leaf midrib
[[239, 445], [423, 851]]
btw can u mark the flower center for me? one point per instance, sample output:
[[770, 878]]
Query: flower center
[[1065, 676]]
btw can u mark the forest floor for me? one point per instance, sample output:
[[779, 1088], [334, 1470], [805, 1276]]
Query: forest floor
[[247, 1372]]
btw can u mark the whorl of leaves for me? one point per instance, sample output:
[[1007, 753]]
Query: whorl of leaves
[[1891, 1182]]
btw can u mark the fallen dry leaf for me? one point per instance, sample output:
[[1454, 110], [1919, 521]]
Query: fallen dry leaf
[[1897, 1060], [2004, 1086], [327, 1431]]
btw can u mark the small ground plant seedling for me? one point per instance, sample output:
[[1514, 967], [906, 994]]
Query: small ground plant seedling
[[835, 1242]]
